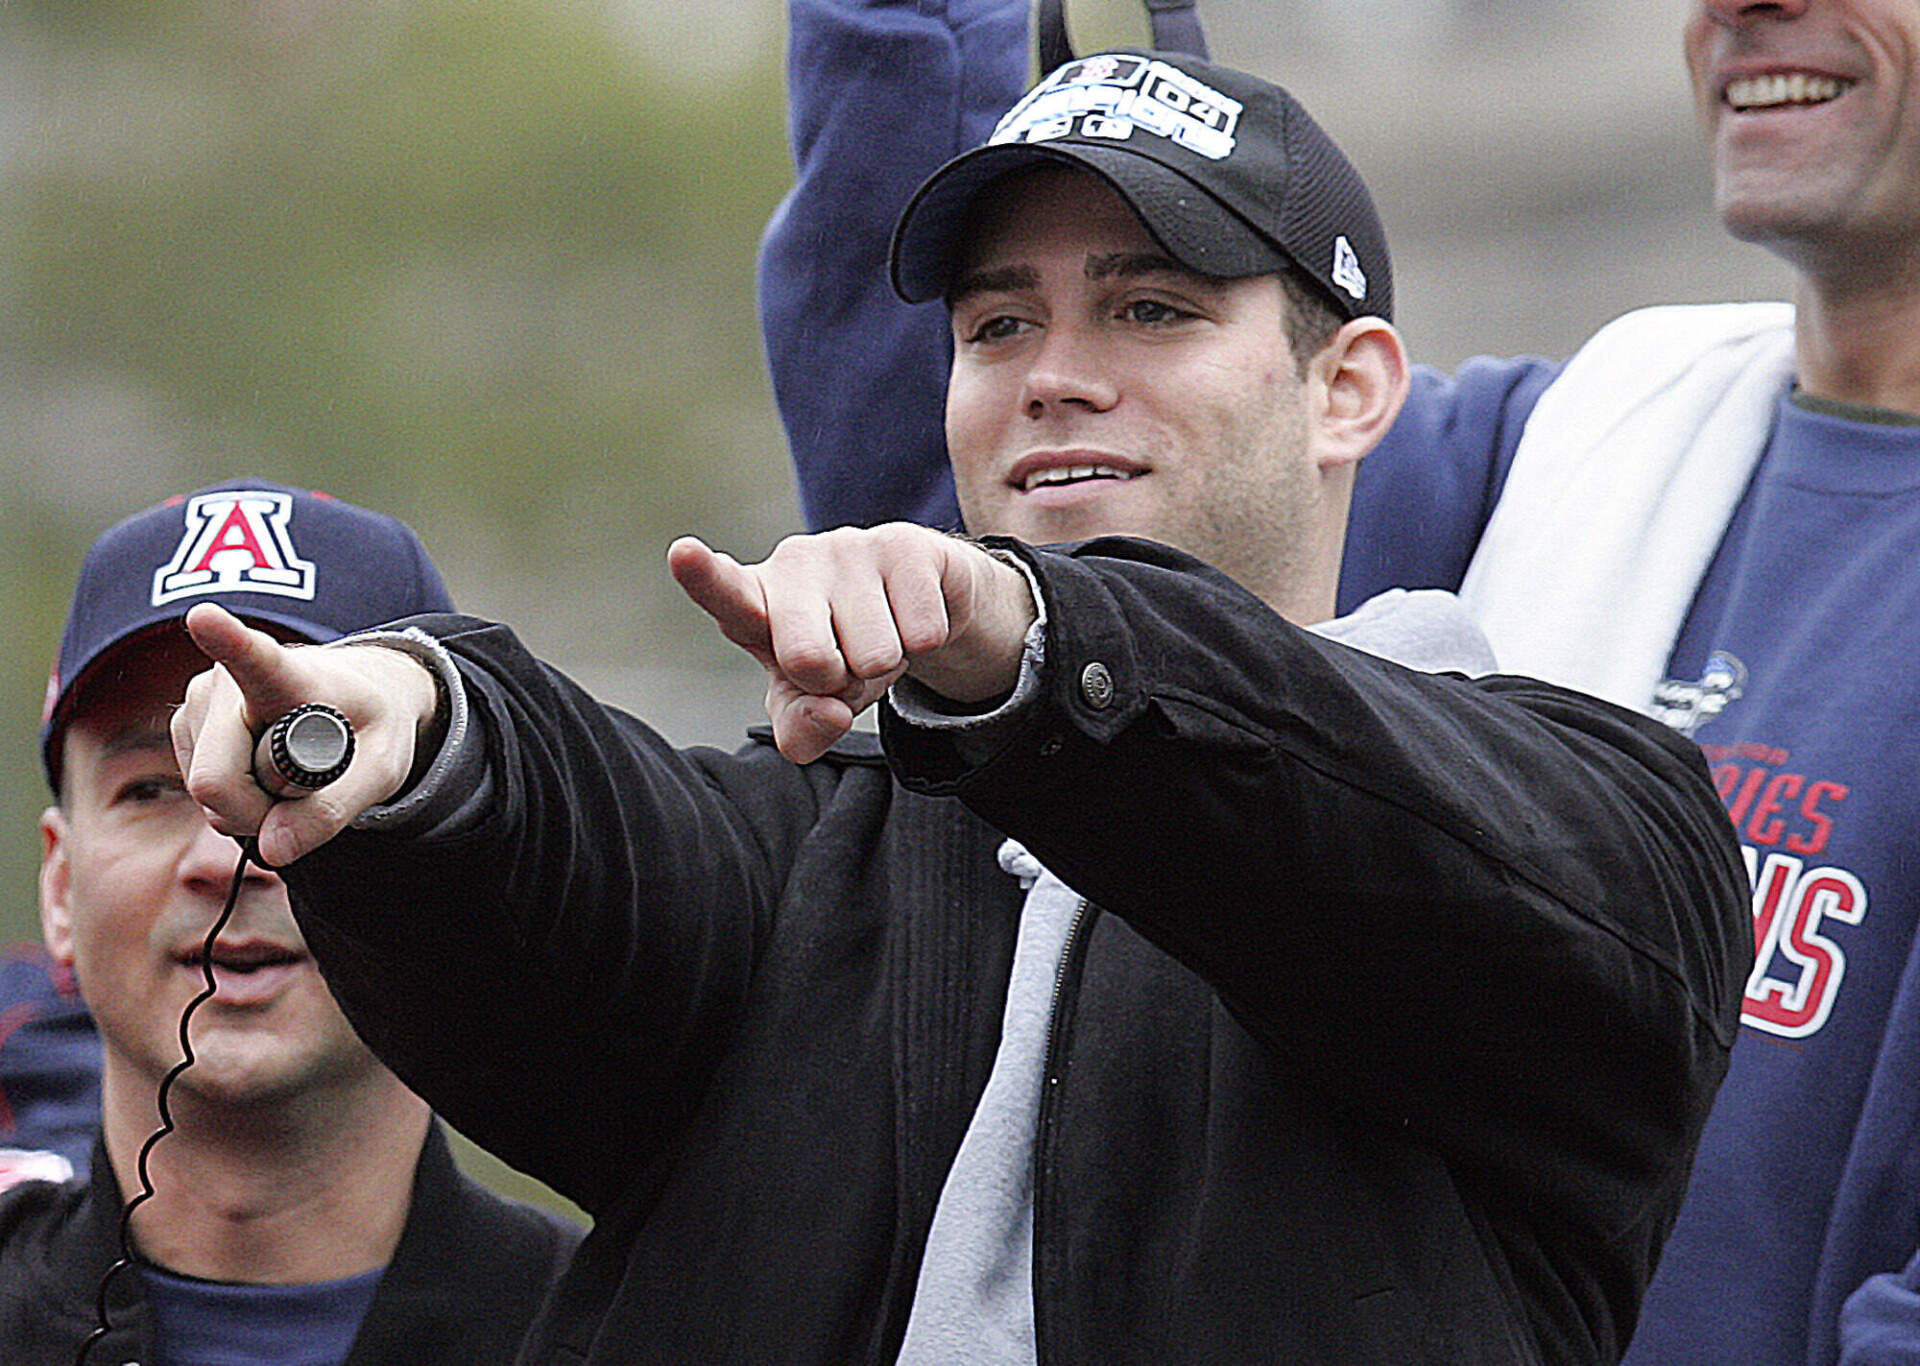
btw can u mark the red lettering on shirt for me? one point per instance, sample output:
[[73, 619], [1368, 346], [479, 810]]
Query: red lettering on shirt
[[1820, 824]]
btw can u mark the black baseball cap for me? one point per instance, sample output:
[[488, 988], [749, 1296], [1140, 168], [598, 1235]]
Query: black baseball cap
[[305, 562], [1228, 172]]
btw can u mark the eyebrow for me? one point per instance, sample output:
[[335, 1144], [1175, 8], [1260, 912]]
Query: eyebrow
[[1123, 265], [1119, 265], [997, 279], [136, 739]]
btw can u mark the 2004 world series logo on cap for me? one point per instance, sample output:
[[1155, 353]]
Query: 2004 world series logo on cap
[[235, 541], [1110, 95]]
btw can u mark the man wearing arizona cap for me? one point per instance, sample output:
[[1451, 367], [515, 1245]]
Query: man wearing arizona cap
[[305, 1206], [1319, 1008]]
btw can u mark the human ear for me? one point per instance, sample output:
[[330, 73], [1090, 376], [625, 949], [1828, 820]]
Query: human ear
[[56, 921], [1357, 383]]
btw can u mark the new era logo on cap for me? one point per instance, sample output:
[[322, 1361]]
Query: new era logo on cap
[[235, 541], [1110, 95], [1346, 269]]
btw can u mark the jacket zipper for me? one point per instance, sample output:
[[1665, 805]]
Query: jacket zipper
[[1052, 1075]]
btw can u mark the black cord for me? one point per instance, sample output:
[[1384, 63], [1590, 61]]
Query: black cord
[[249, 853], [1176, 28]]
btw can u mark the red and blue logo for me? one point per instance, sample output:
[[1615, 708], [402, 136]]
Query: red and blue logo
[[235, 541]]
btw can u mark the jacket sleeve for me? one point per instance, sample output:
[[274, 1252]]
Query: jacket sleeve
[[1510, 916], [555, 971], [1880, 1323], [1423, 495], [881, 92]]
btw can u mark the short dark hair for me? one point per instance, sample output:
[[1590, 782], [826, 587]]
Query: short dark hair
[[1311, 317]]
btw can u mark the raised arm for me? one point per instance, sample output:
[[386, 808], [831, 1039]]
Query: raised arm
[[881, 95]]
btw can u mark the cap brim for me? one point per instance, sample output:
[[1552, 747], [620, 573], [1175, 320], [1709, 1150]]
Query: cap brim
[[50, 730], [1196, 229]]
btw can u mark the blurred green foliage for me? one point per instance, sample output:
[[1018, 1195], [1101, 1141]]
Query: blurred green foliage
[[486, 264]]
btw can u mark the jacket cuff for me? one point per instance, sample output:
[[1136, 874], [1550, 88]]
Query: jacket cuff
[[1088, 685], [977, 730], [456, 784]]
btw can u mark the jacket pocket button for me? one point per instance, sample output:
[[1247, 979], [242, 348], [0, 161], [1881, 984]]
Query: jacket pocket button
[[1096, 685]]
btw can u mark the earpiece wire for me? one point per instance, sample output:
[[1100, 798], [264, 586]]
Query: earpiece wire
[[249, 853]]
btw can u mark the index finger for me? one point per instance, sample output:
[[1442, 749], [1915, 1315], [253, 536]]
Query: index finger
[[724, 589], [256, 662]]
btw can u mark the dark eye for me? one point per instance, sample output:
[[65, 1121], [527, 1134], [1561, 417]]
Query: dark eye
[[148, 789], [1152, 312], [997, 328]]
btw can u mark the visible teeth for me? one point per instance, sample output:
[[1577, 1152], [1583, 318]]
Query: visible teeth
[[1063, 474], [1766, 92]]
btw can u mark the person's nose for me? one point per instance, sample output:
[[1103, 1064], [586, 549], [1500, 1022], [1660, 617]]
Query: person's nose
[[1070, 371], [208, 862], [1732, 13]]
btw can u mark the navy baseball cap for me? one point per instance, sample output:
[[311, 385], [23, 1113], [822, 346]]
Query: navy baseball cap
[[1228, 172], [306, 562]]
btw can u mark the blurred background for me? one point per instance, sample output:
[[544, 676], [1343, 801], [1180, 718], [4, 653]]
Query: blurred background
[[488, 265]]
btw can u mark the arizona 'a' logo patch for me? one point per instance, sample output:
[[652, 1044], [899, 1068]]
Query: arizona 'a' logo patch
[[236, 541]]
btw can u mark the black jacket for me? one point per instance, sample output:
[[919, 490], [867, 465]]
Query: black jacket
[[1391, 1043], [468, 1275]]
